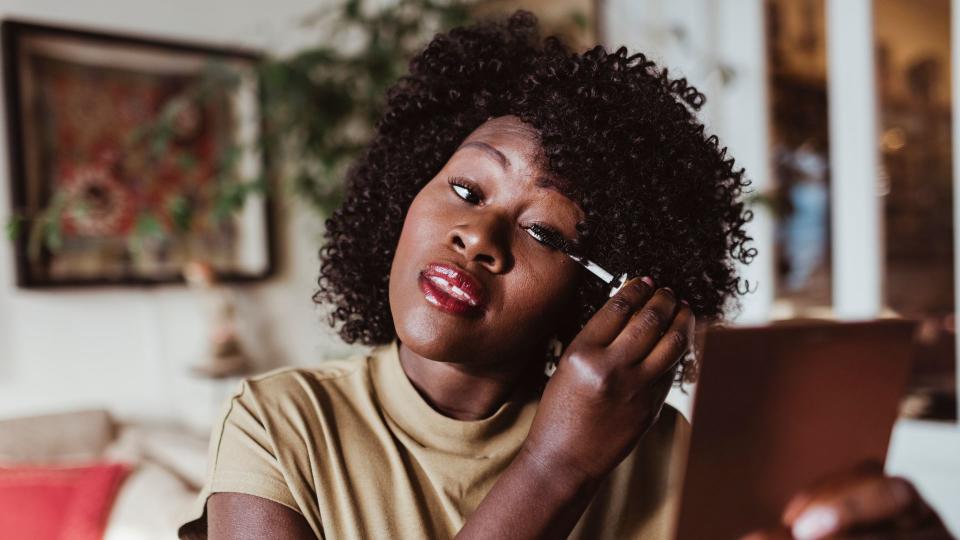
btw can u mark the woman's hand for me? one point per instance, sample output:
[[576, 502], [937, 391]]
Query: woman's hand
[[862, 504], [611, 382], [606, 392]]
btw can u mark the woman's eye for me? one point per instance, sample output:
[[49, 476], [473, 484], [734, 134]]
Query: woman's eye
[[464, 192]]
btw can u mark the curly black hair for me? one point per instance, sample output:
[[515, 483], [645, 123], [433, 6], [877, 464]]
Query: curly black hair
[[662, 199]]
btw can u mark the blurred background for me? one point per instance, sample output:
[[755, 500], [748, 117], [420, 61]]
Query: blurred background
[[168, 166]]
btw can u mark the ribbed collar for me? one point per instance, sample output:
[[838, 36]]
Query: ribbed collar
[[502, 432]]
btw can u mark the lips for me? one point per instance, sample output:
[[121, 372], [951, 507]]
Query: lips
[[451, 289]]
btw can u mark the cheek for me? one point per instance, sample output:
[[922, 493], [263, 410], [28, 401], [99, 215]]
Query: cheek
[[544, 289], [422, 223], [420, 228]]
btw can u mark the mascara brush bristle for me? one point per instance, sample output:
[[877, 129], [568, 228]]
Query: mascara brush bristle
[[548, 237], [556, 241]]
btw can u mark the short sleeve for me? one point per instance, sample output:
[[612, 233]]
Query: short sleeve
[[242, 459]]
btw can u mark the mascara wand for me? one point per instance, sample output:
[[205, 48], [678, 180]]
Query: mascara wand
[[557, 242]]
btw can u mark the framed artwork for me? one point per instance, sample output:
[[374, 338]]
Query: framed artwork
[[132, 157]]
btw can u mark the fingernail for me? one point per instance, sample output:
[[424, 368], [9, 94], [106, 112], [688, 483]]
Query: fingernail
[[817, 522], [648, 280]]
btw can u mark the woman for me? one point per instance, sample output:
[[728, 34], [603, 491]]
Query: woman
[[447, 428]]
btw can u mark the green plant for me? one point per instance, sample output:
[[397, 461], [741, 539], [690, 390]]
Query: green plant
[[322, 103]]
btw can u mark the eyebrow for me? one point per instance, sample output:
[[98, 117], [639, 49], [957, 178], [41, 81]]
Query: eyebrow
[[541, 181], [491, 151]]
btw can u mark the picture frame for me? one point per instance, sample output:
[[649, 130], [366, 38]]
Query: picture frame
[[131, 156]]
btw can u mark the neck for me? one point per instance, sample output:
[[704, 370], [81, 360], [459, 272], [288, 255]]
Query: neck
[[466, 392]]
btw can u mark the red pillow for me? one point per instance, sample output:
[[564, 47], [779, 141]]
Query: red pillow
[[50, 503]]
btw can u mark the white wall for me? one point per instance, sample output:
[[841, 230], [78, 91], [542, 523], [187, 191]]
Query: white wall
[[129, 349]]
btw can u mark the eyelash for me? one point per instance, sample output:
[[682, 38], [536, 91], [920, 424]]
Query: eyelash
[[460, 182]]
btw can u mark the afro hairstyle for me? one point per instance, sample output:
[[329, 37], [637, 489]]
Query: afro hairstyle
[[662, 199]]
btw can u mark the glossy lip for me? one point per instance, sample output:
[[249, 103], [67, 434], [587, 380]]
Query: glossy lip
[[451, 289]]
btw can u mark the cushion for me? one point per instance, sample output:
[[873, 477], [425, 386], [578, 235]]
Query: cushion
[[180, 451], [49, 503], [149, 506], [56, 438]]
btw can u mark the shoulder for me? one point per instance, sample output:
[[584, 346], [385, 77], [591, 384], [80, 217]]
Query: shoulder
[[673, 416], [289, 403], [637, 500], [670, 429], [327, 370], [663, 448], [291, 385], [660, 452], [276, 424]]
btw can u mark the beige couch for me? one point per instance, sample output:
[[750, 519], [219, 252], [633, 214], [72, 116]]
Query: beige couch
[[168, 464]]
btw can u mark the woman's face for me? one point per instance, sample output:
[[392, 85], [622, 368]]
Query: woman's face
[[468, 283]]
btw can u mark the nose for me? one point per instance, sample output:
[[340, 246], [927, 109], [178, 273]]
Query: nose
[[484, 240]]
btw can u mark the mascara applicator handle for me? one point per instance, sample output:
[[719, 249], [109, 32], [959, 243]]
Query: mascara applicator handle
[[618, 284]]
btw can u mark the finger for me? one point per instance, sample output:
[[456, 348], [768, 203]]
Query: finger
[[607, 323], [870, 501], [928, 533], [769, 534], [801, 500], [644, 329], [671, 347]]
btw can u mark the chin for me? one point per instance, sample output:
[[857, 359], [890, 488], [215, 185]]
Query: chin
[[436, 335]]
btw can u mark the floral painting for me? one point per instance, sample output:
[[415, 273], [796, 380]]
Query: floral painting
[[129, 159]]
